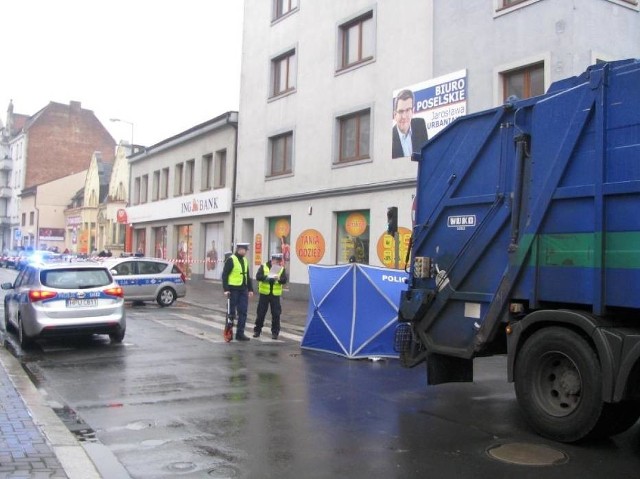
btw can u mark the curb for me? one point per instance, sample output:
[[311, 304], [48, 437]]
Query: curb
[[72, 456]]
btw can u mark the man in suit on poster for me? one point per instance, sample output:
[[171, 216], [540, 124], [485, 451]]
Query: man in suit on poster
[[409, 134]]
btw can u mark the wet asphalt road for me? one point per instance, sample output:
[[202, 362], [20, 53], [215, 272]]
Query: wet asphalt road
[[174, 400]]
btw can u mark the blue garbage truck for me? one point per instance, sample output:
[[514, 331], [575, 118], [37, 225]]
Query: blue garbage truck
[[526, 242]]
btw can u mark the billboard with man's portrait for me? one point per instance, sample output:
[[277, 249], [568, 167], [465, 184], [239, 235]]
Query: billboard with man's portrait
[[421, 110]]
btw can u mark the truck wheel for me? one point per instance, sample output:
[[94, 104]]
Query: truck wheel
[[558, 383]]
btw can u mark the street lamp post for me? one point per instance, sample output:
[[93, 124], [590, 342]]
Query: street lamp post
[[119, 120]]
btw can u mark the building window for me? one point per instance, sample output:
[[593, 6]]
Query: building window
[[220, 173], [31, 218], [177, 180], [24, 219], [155, 188], [281, 154], [206, 178], [510, 3], [164, 184], [188, 177], [121, 192], [283, 73], [283, 7], [354, 136], [144, 188], [136, 191], [122, 234], [524, 82], [353, 237], [357, 40]]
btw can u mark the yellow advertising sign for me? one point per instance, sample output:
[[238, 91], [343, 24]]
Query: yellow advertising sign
[[386, 248]]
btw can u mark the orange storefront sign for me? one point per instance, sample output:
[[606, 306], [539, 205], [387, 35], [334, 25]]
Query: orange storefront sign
[[257, 250], [282, 228], [355, 224], [310, 246]]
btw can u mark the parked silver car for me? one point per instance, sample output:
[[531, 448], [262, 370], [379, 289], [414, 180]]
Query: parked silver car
[[64, 299], [148, 279]]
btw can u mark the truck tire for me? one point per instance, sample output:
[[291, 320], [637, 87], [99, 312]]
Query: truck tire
[[558, 383]]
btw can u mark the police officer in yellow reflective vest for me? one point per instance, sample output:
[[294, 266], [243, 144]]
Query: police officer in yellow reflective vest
[[236, 284], [271, 276]]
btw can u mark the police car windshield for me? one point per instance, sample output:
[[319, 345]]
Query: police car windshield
[[75, 278]]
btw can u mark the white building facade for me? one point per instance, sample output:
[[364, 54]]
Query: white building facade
[[316, 173], [180, 197]]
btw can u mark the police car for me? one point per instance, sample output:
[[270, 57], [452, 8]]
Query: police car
[[148, 279], [60, 299]]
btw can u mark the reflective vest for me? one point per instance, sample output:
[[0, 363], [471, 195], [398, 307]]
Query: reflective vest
[[238, 275], [265, 287]]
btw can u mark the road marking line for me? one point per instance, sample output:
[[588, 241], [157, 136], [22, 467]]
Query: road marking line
[[197, 333], [220, 326]]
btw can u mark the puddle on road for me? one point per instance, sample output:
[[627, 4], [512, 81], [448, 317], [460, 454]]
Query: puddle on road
[[139, 425], [150, 443]]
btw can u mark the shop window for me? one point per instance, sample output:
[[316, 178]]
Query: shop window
[[353, 237]]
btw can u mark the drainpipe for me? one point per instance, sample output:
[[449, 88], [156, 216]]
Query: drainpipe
[[233, 182], [37, 236]]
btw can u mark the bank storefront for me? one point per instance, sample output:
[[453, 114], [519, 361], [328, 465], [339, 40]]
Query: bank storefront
[[193, 231]]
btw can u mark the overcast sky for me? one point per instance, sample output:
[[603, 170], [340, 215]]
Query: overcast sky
[[163, 66]]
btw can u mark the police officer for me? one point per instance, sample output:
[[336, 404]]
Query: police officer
[[271, 276], [236, 284]]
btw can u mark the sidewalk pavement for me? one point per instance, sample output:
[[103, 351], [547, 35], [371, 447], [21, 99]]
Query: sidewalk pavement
[[35, 443], [208, 294]]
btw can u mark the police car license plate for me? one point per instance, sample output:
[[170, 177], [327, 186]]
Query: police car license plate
[[81, 302]]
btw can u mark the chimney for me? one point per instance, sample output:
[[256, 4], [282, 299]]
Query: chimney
[[75, 106]]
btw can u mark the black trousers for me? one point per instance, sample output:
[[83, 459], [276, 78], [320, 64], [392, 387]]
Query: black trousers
[[264, 302]]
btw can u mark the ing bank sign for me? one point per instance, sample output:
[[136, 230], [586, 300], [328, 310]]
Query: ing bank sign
[[188, 206]]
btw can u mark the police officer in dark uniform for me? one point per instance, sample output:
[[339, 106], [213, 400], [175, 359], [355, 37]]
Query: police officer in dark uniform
[[236, 284], [271, 276]]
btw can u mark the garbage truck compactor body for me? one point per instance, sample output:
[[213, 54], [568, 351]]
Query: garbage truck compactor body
[[526, 241]]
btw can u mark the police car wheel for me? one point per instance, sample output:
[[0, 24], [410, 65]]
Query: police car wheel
[[25, 341], [117, 337], [7, 324], [166, 297]]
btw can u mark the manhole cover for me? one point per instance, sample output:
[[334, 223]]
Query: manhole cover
[[528, 454]]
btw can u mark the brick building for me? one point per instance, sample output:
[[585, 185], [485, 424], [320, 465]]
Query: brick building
[[57, 141]]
